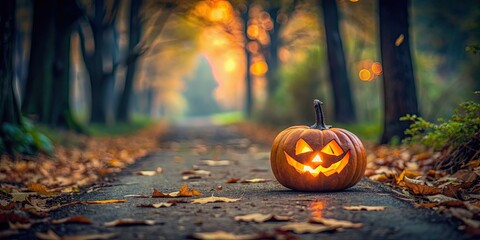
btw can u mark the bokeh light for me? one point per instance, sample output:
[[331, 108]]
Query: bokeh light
[[365, 75], [259, 68], [377, 68]]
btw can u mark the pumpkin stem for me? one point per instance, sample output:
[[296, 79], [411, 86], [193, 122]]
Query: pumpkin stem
[[319, 119]]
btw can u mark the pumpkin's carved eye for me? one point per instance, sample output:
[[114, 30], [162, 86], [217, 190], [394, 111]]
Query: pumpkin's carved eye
[[332, 148], [302, 147]]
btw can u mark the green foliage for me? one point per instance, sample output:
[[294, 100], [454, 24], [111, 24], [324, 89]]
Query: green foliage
[[25, 139], [465, 122]]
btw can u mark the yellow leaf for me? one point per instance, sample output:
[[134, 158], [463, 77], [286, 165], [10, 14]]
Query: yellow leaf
[[335, 223], [305, 227], [183, 192], [100, 201], [223, 235], [364, 208], [213, 199], [41, 189], [216, 162], [255, 180]]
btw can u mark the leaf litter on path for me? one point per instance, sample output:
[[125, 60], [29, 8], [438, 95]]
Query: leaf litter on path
[[213, 199], [260, 218], [183, 192]]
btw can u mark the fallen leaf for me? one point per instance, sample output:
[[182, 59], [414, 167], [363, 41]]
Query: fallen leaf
[[216, 162], [51, 235], [259, 218], [223, 235], [213, 199], [255, 180], [149, 173], [364, 208], [20, 196], [190, 177], [73, 219], [109, 201], [136, 196], [305, 227], [335, 223], [196, 172], [19, 226], [128, 222], [419, 189], [183, 192], [157, 205], [41, 189], [379, 177], [232, 180], [440, 198]]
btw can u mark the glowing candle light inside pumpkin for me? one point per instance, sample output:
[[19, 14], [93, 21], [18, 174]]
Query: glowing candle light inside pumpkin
[[317, 158]]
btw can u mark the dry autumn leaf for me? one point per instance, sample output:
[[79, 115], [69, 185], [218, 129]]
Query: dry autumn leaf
[[196, 172], [232, 180], [421, 189], [335, 223], [213, 199], [128, 222], [157, 205], [223, 235], [183, 192], [73, 219], [19, 226], [216, 162], [190, 177], [149, 173], [259, 218], [305, 227], [51, 235], [41, 189], [108, 201], [255, 180], [364, 208]]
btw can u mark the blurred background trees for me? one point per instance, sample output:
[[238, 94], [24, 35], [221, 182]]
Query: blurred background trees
[[77, 63]]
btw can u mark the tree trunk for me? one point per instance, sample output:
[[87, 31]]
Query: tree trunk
[[399, 90], [61, 113], [272, 50], [37, 98], [248, 76], [102, 24], [344, 110], [123, 107], [9, 112]]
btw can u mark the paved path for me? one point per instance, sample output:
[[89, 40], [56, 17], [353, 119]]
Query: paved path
[[185, 146]]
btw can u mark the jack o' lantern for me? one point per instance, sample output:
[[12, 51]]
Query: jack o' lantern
[[317, 158]]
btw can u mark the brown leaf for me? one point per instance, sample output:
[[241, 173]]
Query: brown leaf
[[421, 189], [190, 177], [73, 219], [49, 235], [183, 192], [305, 227], [157, 205], [41, 189], [128, 222], [364, 208], [196, 172], [223, 235], [335, 223], [232, 180], [11, 216], [440, 198], [259, 218], [213, 199]]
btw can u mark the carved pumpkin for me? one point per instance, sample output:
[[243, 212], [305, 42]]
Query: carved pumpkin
[[317, 158]]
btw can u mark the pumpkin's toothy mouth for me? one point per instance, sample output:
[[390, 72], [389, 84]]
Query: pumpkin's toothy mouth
[[327, 171]]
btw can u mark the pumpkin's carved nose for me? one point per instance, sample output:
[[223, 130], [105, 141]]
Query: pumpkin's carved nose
[[317, 159]]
